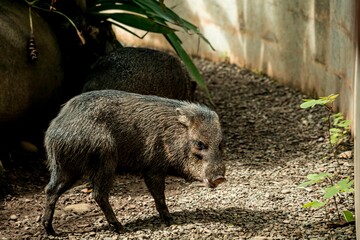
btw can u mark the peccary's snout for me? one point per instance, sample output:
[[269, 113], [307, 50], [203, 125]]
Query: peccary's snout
[[214, 175], [214, 182]]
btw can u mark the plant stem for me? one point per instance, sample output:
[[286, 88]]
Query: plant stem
[[31, 23], [337, 208], [335, 202]]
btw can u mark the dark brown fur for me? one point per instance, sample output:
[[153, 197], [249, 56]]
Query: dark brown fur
[[143, 71], [98, 132], [24, 85]]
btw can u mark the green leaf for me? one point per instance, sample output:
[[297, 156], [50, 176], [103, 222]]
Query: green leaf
[[335, 130], [124, 28], [348, 216], [318, 176], [308, 103], [314, 204], [140, 22], [337, 115], [331, 98], [344, 185], [314, 178], [344, 124], [312, 103], [331, 191], [348, 190], [176, 44], [152, 16], [334, 139], [164, 14]]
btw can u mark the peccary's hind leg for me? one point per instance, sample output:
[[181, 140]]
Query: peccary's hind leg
[[59, 183], [156, 186], [102, 183]]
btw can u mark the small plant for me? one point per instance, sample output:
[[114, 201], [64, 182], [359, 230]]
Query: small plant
[[338, 126], [338, 129]]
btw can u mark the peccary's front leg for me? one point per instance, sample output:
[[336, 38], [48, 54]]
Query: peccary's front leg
[[156, 185]]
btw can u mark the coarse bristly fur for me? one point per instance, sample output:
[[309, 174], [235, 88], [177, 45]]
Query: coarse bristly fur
[[144, 71], [99, 132]]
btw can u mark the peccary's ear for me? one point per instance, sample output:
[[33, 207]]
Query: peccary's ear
[[182, 117]]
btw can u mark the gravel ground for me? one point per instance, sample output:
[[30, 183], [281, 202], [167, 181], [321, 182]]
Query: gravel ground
[[270, 146]]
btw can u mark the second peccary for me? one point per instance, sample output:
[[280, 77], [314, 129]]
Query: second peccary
[[143, 71], [99, 132]]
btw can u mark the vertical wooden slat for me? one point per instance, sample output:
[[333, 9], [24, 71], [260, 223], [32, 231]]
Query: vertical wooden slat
[[357, 118]]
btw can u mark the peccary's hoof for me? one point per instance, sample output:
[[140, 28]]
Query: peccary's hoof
[[168, 220], [118, 228], [49, 229]]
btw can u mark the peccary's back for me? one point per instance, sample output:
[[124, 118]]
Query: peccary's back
[[143, 71]]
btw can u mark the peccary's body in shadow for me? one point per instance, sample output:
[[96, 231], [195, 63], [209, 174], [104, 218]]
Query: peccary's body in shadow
[[31, 91], [27, 89], [143, 71], [99, 132]]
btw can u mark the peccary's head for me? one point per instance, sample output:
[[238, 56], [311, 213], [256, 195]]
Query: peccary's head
[[204, 144]]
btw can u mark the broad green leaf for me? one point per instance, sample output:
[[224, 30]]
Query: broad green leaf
[[348, 190], [337, 115], [331, 191], [321, 101], [345, 184], [318, 176], [314, 204], [308, 104], [335, 130], [314, 178], [339, 121], [334, 138], [344, 124], [348, 216], [312, 103]]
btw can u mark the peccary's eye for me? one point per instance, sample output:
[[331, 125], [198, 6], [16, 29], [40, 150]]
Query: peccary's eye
[[200, 145]]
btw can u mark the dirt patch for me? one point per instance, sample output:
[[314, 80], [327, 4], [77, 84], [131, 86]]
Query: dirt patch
[[270, 144]]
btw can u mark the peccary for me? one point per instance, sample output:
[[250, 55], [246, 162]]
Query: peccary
[[26, 86], [101, 132], [31, 92], [143, 71]]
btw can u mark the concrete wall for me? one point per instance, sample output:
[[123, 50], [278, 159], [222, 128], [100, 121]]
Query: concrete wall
[[306, 44]]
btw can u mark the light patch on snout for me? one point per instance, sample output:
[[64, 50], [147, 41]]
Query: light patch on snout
[[213, 183]]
